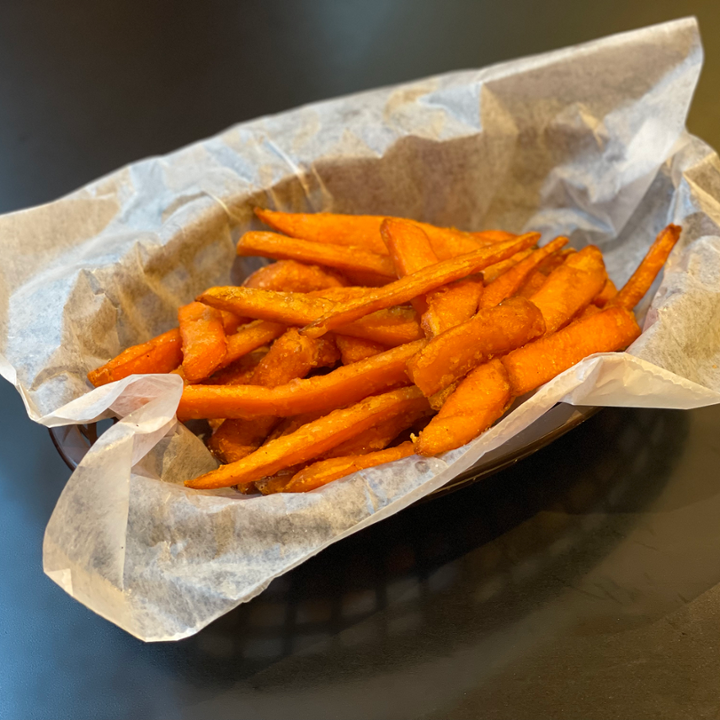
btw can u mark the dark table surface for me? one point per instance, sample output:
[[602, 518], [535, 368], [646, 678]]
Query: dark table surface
[[581, 583]]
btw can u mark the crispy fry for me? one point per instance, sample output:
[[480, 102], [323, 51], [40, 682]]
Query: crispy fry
[[437, 400], [364, 231], [495, 270], [355, 349], [570, 288], [493, 236], [493, 331], [325, 471], [536, 363], [232, 322], [291, 356], [203, 340], [279, 247], [159, 355], [250, 337], [608, 292], [393, 326], [410, 250], [532, 284], [479, 400], [635, 288], [292, 276], [507, 284], [342, 386], [310, 440], [555, 261], [451, 305], [380, 436], [291, 424], [239, 372], [408, 245], [419, 283]]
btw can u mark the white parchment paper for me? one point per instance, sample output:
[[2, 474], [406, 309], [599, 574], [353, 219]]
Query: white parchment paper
[[587, 141]]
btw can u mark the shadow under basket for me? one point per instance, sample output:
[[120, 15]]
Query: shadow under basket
[[74, 441]]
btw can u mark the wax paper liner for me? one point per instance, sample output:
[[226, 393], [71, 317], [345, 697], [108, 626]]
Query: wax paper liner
[[588, 141]]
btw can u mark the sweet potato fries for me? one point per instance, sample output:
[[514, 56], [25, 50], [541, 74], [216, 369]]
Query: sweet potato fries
[[371, 339]]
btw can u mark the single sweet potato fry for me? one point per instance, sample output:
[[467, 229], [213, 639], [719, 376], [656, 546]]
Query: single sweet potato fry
[[495, 270], [251, 337], [492, 236], [341, 387], [451, 305], [410, 250], [310, 440], [608, 292], [639, 283], [325, 471], [292, 276], [349, 230], [532, 284], [279, 247], [203, 340], [507, 284], [555, 261], [159, 355], [492, 331], [408, 245], [478, 401], [380, 436], [364, 231], [570, 288], [291, 356], [392, 326], [355, 349], [419, 283], [239, 372], [605, 331], [231, 322]]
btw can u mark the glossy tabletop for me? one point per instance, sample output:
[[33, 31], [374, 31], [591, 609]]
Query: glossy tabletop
[[580, 583]]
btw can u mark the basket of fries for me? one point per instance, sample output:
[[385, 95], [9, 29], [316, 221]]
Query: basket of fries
[[311, 321]]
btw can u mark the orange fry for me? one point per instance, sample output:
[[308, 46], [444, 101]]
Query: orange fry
[[364, 231], [291, 356], [239, 372], [555, 261], [392, 326], [338, 388], [570, 288], [272, 245], [411, 251], [354, 349], [310, 440], [451, 305], [380, 436], [203, 340], [493, 236], [608, 292], [493, 331], [510, 282], [250, 337], [325, 471], [419, 283], [478, 401], [635, 288], [408, 245], [532, 284], [159, 355], [292, 276], [605, 331], [497, 269]]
